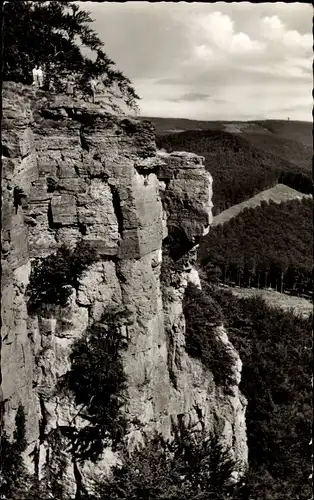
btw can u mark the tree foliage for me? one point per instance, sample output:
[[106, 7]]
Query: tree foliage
[[202, 316], [193, 466], [98, 382], [52, 278], [19, 432], [266, 246], [58, 35], [276, 350]]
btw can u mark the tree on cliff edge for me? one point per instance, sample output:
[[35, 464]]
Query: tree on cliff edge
[[53, 34], [13, 475]]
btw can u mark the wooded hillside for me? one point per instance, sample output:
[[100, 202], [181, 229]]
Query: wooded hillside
[[266, 246], [239, 169], [275, 348]]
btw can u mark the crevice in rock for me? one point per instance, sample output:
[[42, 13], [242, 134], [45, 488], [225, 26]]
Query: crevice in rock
[[200, 417], [5, 151], [167, 183], [117, 208], [82, 228], [145, 171], [85, 117], [177, 359], [104, 176], [51, 184], [83, 142], [18, 196], [26, 155], [120, 275], [234, 438], [42, 421], [128, 126], [23, 354], [177, 243], [96, 156], [51, 224], [35, 454], [170, 358], [52, 114]]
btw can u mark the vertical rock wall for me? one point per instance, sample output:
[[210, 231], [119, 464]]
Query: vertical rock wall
[[72, 172], [187, 192]]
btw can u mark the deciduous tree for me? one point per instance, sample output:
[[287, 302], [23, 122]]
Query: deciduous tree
[[58, 35]]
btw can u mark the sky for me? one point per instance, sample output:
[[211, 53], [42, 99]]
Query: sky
[[212, 61]]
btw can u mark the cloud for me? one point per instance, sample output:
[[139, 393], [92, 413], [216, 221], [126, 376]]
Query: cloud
[[179, 54], [192, 97], [274, 30], [218, 32], [273, 27]]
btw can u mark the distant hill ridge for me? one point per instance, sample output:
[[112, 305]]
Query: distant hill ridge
[[278, 194], [289, 140], [244, 164], [298, 131]]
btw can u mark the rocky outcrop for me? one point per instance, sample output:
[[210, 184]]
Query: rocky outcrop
[[72, 172]]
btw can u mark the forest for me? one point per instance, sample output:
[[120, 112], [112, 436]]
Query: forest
[[276, 350], [239, 169], [266, 246], [286, 148]]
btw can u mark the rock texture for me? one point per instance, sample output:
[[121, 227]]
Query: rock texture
[[72, 172]]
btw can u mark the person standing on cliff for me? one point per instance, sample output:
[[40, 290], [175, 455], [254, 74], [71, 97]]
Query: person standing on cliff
[[40, 77], [70, 85], [93, 84], [35, 77], [51, 86]]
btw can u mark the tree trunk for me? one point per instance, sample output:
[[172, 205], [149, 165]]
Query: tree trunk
[[281, 283]]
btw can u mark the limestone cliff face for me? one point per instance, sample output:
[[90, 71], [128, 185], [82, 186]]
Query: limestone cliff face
[[72, 172]]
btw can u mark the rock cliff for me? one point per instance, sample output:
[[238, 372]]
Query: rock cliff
[[70, 172]]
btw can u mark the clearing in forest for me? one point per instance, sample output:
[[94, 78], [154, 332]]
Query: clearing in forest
[[298, 305]]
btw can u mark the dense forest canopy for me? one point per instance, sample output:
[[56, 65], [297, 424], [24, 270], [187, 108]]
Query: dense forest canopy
[[239, 169], [290, 149], [276, 350], [52, 34], [266, 246], [300, 131]]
